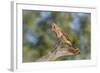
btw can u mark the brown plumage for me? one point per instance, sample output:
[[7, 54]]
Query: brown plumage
[[61, 34]]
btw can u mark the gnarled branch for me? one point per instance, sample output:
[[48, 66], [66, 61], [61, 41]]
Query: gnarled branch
[[59, 52]]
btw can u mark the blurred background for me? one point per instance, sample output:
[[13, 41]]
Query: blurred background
[[38, 39]]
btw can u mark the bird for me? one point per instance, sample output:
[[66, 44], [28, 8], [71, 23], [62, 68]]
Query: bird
[[61, 34]]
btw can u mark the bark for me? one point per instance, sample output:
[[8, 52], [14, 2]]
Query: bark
[[59, 52]]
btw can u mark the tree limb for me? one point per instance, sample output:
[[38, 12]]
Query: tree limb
[[59, 52]]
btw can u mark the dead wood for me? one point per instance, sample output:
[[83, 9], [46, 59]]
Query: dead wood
[[59, 52]]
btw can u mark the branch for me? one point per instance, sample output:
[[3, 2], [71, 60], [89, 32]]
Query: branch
[[59, 52]]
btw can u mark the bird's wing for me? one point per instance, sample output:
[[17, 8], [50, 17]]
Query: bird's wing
[[67, 36]]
